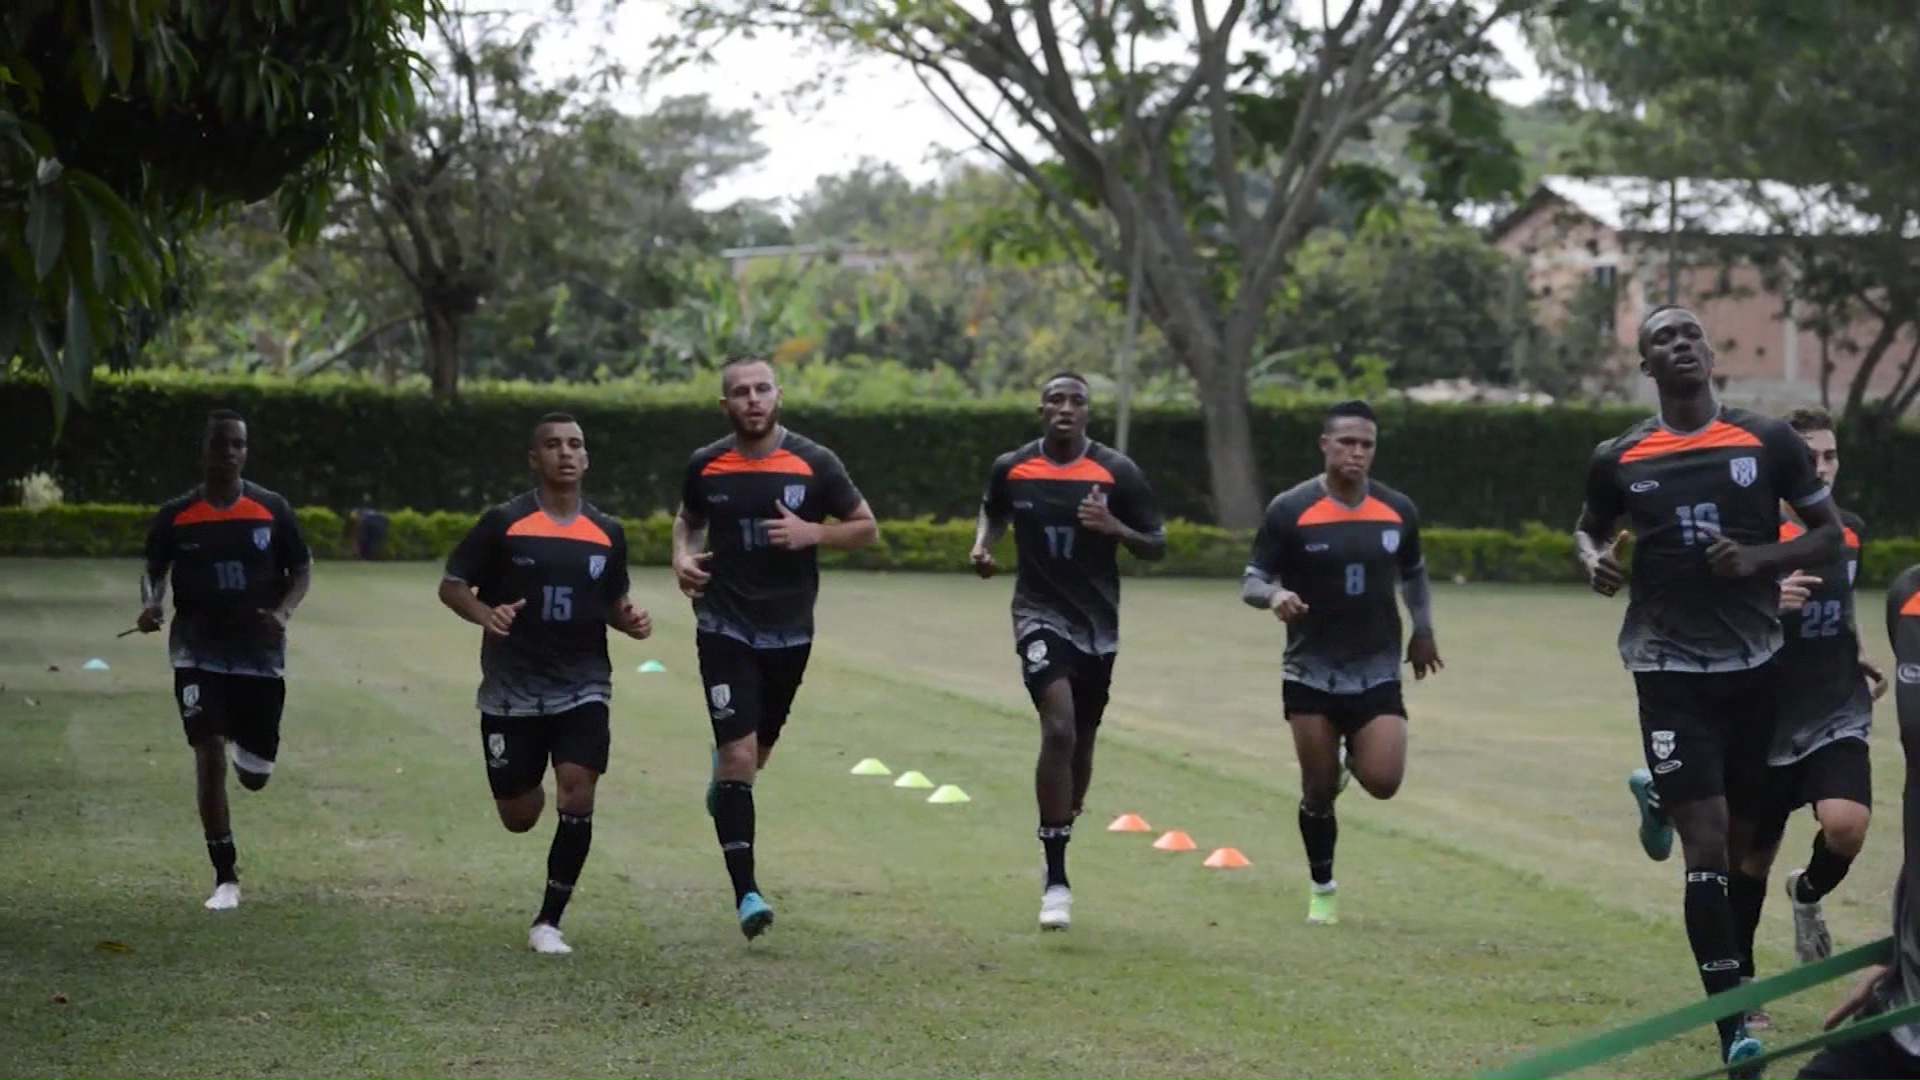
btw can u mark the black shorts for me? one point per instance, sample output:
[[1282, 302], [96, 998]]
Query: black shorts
[[749, 691], [517, 748], [1046, 658], [243, 709], [1842, 769], [1348, 712], [1707, 735], [1873, 1056]]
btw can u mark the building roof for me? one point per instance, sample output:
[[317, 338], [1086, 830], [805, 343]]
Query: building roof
[[1639, 204]]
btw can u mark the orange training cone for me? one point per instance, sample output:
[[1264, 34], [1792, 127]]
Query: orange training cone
[[1226, 858], [1174, 840], [1129, 823]]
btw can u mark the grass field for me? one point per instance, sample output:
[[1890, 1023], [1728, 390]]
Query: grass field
[[1499, 903]]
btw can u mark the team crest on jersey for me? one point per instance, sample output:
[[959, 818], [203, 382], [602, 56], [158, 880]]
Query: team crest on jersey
[[595, 565], [1662, 742], [1390, 540], [794, 495], [1745, 471], [262, 537]]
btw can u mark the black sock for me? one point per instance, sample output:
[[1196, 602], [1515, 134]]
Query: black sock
[[1710, 931], [733, 824], [1746, 895], [221, 851], [1318, 831], [1053, 840], [1825, 871], [572, 839]]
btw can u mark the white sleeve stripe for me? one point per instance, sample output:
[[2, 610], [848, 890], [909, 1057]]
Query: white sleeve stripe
[[1808, 500]]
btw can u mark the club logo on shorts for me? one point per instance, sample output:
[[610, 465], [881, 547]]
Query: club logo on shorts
[[794, 495], [262, 537], [190, 699], [1390, 540], [496, 748], [596, 564], [1037, 652], [720, 695], [1745, 471], [1908, 673], [1662, 743]]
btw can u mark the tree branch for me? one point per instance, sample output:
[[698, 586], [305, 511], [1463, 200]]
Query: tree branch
[[1211, 62], [1869, 360]]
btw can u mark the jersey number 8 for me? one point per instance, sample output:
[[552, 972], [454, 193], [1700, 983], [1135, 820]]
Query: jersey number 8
[[1356, 578]]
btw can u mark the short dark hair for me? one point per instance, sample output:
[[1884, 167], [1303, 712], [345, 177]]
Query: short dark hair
[[740, 361], [1355, 408], [1810, 419], [1640, 336], [1058, 375], [221, 416], [549, 418]]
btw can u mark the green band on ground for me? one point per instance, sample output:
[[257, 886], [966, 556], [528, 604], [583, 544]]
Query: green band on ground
[[1607, 1044], [1887, 1021]]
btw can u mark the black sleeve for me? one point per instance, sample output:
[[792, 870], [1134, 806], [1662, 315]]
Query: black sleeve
[[1604, 501], [1411, 558], [476, 560], [690, 505], [994, 500], [159, 550], [1133, 502], [616, 579], [837, 494], [1270, 543], [289, 544], [1790, 466]]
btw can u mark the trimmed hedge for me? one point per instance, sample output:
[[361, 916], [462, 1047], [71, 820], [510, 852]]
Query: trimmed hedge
[[345, 445], [1533, 555]]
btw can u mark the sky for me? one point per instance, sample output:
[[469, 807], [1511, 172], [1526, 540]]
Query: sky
[[880, 112]]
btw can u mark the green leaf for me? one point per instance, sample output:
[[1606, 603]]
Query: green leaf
[[46, 224], [120, 42]]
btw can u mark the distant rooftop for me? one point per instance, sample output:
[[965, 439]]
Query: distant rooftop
[[1640, 204]]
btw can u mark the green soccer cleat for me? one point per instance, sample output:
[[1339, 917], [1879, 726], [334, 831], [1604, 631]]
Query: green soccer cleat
[[1323, 906], [1656, 832]]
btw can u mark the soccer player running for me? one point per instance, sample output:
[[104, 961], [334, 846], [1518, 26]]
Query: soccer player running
[[761, 497], [1701, 485], [1072, 504], [238, 566], [1894, 1053], [543, 575], [1325, 562]]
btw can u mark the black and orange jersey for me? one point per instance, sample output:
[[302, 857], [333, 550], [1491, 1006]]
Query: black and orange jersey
[[1345, 561], [226, 564], [570, 573], [1903, 631], [1823, 694], [1068, 577], [1679, 490], [760, 594]]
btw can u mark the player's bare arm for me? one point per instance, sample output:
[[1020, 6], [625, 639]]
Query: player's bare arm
[[464, 602], [1599, 554], [1795, 590], [153, 596], [630, 619], [1096, 514], [1819, 545], [689, 561], [794, 533], [987, 531], [1422, 652], [276, 618]]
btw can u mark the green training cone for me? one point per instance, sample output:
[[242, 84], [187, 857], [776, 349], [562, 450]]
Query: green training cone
[[871, 767], [652, 666], [913, 779], [948, 794]]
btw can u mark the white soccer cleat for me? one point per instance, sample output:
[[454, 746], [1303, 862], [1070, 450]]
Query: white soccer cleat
[[226, 897], [1056, 908], [547, 940]]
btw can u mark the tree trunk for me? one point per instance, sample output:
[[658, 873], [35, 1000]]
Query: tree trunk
[[443, 352], [1231, 467]]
